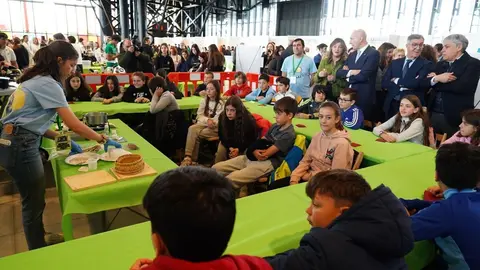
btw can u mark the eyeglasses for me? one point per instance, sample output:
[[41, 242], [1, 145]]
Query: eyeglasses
[[418, 46], [343, 100]]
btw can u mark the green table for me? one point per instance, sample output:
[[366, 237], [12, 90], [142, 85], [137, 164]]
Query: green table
[[94, 68], [375, 152], [117, 195], [81, 108]]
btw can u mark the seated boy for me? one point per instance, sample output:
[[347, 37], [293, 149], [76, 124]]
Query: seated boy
[[264, 93], [309, 108], [241, 170], [353, 227], [352, 115], [457, 169], [192, 213], [283, 90], [202, 88], [241, 88]]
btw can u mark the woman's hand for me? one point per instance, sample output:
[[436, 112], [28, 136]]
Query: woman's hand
[[138, 100], [211, 123], [387, 137], [141, 263], [294, 180], [107, 101], [322, 73]]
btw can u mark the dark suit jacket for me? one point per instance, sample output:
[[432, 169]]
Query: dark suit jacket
[[364, 82], [457, 95], [414, 80]]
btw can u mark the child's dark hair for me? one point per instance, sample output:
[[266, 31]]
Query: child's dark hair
[[208, 73], [116, 87], [192, 208], [162, 73], [420, 114], [83, 91], [319, 89], [157, 81], [242, 117], [215, 84], [336, 109], [46, 63], [287, 105], [458, 165], [241, 75], [352, 93], [472, 117], [346, 187], [264, 77], [283, 80]]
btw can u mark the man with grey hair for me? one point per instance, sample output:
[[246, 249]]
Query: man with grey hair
[[454, 81], [406, 76], [360, 70]]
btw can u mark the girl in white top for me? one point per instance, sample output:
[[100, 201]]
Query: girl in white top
[[409, 124], [207, 122], [283, 90], [177, 58]]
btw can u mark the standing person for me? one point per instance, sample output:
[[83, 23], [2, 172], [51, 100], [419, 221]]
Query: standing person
[[21, 53], [30, 112], [216, 60], [111, 52], [454, 81], [59, 36], [386, 55], [283, 55], [7, 52], [429, 53], [299, 68], [406, 76], [327, 70], [193, 61], [79, 48], [147, 47], [267, 57], [272, 65], [438, 49], [35, 46], [176, 57], [164, 60], [322, 50], [360, 71], [29, 48]]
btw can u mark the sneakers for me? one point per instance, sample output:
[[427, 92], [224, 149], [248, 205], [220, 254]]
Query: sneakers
[[53, 238]]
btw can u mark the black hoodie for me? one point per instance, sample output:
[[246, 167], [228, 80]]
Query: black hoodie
[[373, 234]]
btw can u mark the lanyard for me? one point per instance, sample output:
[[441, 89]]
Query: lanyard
[[293, 64]]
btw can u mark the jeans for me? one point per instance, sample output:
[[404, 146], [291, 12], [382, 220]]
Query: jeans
[[23, 163]]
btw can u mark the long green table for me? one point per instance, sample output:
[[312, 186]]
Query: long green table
[[266, 224], [375, 152], [117, 195], [81, 108]]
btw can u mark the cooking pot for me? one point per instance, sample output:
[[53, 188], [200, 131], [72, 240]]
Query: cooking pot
[[93, 119]]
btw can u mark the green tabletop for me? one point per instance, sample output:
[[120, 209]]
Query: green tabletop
[[119, 194], [266, 224], [375, 152], [81, 108], [94, 68]]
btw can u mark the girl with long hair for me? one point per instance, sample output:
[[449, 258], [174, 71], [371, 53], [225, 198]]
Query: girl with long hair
[[386, 54], [30, 111], [411, 123], [77, 89], [207, 122], [237, 130], [110, 92], [216, 60], [469, 129], [192, 60]]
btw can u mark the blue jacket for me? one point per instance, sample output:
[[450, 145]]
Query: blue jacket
[[353, 117], [317, 59], [413, 80], [266, 100], [458, 217], [364, 82], [183, 67], [373, 234]]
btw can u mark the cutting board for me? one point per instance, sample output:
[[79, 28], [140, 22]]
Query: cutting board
[[89, 180], [147, 170]]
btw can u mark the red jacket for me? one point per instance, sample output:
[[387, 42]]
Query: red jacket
[[263, 124], [241, 262], [240, 91]]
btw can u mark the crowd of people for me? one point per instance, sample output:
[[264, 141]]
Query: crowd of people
[[412, 97]]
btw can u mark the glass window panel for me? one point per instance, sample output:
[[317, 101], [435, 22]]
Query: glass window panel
[[91, 21], [72, 20], [82, 21], [16, 16], [5, 18], [61, 20]]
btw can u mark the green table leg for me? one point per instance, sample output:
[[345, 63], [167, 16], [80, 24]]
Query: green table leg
[[67, 227]]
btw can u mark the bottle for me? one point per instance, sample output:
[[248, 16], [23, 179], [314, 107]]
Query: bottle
[[106, 129]]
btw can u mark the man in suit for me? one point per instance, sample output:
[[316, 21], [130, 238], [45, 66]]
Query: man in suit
[[406, 76], [454, 82], [360, 70]]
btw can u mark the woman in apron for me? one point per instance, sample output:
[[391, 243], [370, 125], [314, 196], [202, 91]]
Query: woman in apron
[[31, 111]]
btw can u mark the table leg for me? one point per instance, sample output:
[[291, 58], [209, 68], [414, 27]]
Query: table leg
[[67, 227]]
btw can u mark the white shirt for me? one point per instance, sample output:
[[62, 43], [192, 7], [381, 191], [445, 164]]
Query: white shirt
[[359, 53], [79, 48], [8, 54]]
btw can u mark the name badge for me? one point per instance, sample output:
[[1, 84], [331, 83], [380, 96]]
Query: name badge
[[293, 80]]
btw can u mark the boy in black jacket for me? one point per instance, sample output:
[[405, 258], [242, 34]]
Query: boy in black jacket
[[353, 227]]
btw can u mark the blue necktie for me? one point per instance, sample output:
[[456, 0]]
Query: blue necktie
[[405, 67]]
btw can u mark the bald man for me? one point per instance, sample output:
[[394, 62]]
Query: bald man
[[360, 70]]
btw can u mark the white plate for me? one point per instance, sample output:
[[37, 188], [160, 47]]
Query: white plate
[[81, 159], [113, 154]]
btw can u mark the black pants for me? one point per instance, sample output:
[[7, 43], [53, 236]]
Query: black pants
[[440, 124]]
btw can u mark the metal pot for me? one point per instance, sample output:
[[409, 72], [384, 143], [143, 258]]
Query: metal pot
[[94, 119]]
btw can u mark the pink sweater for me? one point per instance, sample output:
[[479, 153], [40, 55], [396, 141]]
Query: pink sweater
[[458, 138]]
